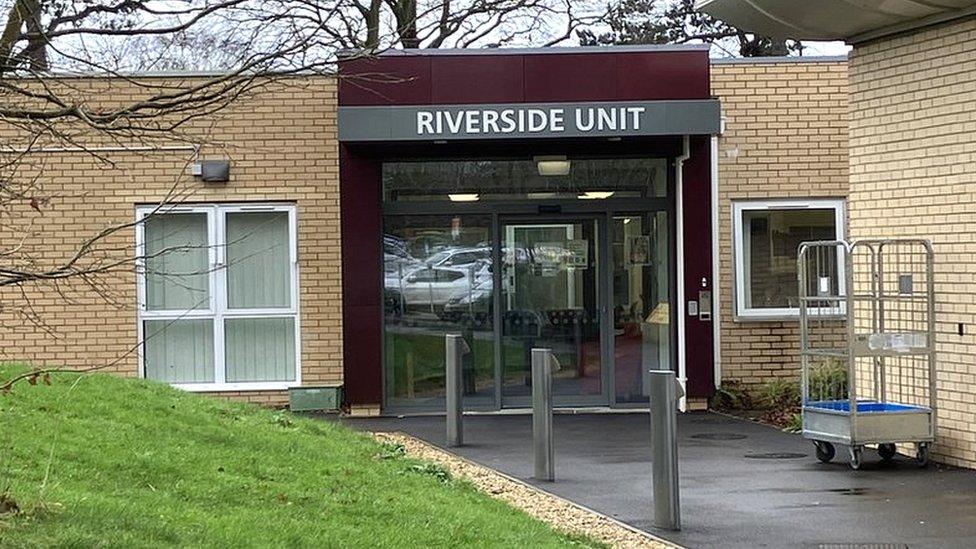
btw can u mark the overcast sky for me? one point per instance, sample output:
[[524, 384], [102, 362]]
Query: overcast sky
[[826, 48]]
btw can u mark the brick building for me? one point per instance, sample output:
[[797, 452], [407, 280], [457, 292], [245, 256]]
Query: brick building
[[339, 251], [281, 145], [912, 171], [784, 142]]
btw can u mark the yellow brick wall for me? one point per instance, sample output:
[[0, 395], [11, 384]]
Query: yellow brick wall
[[913, 173], [785, 137], [281, 143], [786, 131]]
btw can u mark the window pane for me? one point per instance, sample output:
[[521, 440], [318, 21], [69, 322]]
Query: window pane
[[524, 179], [437, 281], [641, 297], [772, 238], [177, 275], [260, 349], [258, 262], [179, 351]]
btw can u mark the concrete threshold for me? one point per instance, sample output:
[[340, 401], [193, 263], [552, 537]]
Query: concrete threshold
[[523, 412]]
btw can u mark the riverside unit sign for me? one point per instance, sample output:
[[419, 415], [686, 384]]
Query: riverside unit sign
[[520, 120], [546, 120]]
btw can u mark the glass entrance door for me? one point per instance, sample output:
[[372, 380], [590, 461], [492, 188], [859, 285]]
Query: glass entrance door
[[552, 297], [642, 327]]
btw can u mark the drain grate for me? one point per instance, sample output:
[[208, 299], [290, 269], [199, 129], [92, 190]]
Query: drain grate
[[718, 436], [775, 455]]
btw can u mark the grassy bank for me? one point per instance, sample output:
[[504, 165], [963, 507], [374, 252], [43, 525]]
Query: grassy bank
[[105, 461]]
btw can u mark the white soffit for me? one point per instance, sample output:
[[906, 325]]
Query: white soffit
[[850, 20]]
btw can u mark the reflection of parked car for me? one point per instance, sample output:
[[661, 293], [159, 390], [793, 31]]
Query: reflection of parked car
[[396, 267], [458, 257], [474, 305], [433, 286], [437, 285]]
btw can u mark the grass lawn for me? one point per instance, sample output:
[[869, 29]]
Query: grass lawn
[[105, 461]]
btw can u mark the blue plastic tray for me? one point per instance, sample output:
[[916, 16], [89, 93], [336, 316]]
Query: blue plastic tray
[[864, 406]]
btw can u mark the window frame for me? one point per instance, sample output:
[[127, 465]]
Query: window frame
[[218, 311], [739, 207]]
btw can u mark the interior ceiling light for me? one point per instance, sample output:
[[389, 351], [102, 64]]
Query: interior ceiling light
[[464, 197], [552, 165], [595, 195]]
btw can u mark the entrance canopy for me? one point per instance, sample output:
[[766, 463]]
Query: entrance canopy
[[525, 198], [552, 93], [850, 20]]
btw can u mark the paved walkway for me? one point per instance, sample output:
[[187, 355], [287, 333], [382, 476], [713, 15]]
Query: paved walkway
[[732, 494]]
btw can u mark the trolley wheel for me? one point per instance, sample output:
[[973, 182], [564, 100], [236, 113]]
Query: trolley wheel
[[856, 452], [886, 451], [825, 450], [922, 454]]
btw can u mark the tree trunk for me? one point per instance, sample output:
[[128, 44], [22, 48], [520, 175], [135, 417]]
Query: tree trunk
[[405, 12], [21, 12], [36, 50], [11, 31], [373, 25]]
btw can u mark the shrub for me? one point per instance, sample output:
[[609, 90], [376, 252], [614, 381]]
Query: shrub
[[781, 401], [828, 380], [794, 423], [780, 394], [731, 395]]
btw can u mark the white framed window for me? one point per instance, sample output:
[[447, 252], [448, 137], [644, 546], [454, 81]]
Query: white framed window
[[766, 236], [218, 296]]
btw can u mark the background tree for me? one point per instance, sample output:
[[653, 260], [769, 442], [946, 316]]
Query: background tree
[[677, 22], [149, 34], [45, 109]]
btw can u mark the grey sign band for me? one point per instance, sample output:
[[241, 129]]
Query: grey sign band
[[529, 120]]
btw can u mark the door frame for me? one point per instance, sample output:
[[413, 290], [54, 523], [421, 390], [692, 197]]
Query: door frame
[[606, 397], [526, 210]]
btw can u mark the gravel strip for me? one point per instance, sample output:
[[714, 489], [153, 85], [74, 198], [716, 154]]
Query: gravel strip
[[562, 514]]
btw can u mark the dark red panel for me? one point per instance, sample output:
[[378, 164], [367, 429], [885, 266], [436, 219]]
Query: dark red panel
[[571, 77], [466, 79], [388, 80], [698, 265], [603, 75], [361, 225], [662, 75]]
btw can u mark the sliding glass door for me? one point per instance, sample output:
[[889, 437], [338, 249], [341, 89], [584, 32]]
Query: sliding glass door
[[513, 257], [552, 297]]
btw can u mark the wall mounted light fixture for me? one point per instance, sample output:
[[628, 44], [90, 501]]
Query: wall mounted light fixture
[[212, 171]]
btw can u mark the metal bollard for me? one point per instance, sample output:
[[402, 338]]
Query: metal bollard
[[456, 347], [542, 366], [664, 449]]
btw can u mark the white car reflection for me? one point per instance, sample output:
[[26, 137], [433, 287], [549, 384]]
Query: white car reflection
[[459, 257], [435, 286], [473, 305]]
